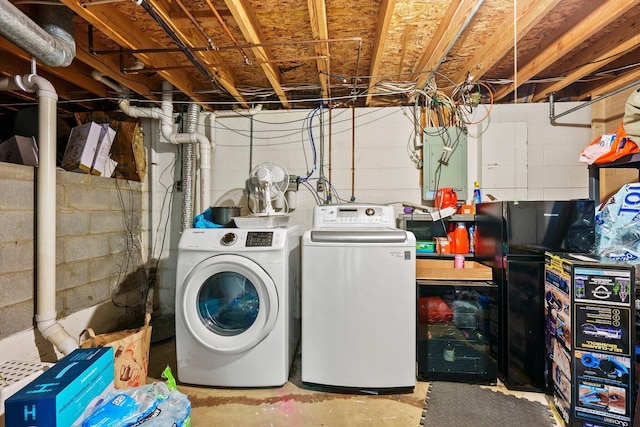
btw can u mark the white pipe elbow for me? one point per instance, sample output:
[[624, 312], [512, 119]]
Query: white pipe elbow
[[34, 83], [55, 333]]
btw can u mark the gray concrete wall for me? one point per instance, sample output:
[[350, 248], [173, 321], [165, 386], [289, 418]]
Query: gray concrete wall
[[98, 251]]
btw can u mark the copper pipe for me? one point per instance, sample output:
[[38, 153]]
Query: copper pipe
[[226, 29], [195, 22], [85, 4]]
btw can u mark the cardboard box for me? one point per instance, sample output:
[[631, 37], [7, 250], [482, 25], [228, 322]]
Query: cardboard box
[[19, 149], [81, 147], [442, 269], [128, 150], [88, 148], [612, 179], [102, 151], [589, 307], [15, 375], [60, 396], [128, 146]]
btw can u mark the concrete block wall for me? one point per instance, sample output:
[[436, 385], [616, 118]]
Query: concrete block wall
[[515, 154], [365, 155], [97, 246], [523, 156]]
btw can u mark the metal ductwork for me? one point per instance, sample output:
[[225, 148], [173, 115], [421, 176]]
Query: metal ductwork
[[188, 169], [51, 42]]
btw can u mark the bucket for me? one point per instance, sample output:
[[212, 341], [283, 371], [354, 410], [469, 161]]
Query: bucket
[[223, 215]]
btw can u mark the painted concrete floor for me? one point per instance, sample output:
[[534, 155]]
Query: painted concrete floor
[[294, 404]]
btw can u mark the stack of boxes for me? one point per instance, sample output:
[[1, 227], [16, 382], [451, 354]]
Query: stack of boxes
[[88, 149], [590, 331]]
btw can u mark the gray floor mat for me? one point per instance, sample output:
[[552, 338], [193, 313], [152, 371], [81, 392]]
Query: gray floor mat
[[460, 405]]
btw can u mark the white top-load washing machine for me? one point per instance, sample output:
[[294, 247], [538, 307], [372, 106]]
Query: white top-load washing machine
[[237, 306], [358, 299]]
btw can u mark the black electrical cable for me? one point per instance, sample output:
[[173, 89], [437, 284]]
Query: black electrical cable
[[184, 48]]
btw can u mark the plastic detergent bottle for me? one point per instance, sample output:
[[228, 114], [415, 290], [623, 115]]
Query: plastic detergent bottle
[[461, 238], [477, 197]]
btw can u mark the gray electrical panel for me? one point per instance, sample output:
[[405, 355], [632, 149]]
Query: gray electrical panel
[[444, 155]]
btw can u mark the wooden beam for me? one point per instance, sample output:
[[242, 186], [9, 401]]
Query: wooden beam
[[70, 73], [318, 18], [64, 89], [382, 29], [600, 54], [108, 66], [454, 21], [119, 27], [589, 25], [530, 13], [598, 89], [246, 20]]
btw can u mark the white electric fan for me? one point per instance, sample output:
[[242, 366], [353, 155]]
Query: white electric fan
[[267, 183]]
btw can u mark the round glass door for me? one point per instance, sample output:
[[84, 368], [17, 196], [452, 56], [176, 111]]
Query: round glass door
[[229, 303]]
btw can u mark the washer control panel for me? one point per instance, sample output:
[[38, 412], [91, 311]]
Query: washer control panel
[[353, 216]]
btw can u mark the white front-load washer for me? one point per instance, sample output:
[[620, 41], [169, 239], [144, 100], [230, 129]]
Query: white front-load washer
[[237, 306]]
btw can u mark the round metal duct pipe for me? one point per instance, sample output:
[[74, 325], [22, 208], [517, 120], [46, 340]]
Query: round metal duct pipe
[[52, 43]]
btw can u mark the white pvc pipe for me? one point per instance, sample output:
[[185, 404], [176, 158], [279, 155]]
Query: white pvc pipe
[[205, 175], [165, 115], [98, 76], [45, 210]]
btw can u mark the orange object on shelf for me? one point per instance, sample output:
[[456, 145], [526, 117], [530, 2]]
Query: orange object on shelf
[[461, 239], [467, 210], [443, 245], [445, 197]]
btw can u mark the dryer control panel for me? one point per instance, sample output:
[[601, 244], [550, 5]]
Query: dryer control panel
[[235, 239], [353, 216]]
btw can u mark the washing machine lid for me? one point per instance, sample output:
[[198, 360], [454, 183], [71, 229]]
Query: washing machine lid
[[228, 303], [376, 236]]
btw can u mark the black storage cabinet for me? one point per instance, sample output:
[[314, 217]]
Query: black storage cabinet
[[453, 331]]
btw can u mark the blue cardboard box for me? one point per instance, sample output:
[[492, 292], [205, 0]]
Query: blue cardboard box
[[60, 396]]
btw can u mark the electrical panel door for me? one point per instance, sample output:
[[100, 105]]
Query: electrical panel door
[[444, 155]]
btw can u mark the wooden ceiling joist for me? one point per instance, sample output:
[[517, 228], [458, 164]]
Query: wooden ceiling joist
[[586, 27], [244, 16], [604, 52], [567, 47], [456, 19], [318, 18], [382, 29], [530, 13], [115, 25]]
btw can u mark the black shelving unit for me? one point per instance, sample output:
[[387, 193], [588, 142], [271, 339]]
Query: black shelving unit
[[426, 229], [631, 161]]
